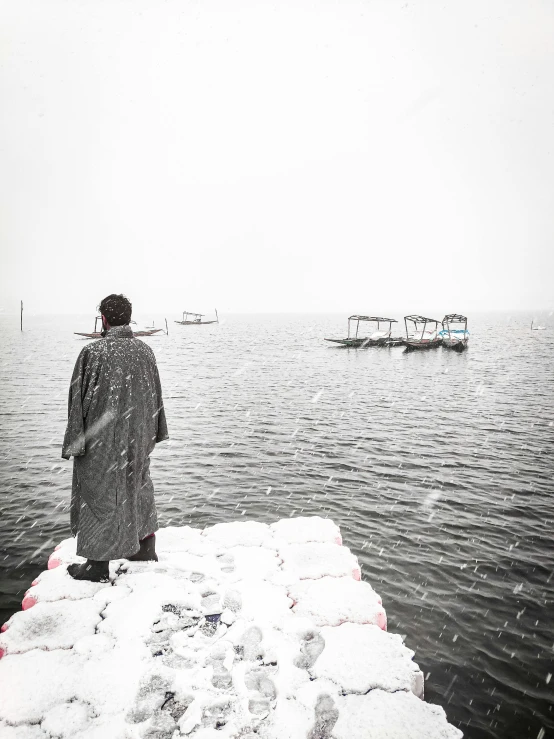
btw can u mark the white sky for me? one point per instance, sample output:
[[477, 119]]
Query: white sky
[[277, 156]]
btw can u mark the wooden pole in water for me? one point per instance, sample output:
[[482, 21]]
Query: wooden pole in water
[[166, 328], [22, 315], [216, 315]]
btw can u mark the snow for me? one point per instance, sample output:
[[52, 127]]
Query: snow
[[382, 715], [315, 560], [376, 659], [56, 584], [330, 601], [237, 533], [240, 630], [51, 626], [306, 529]]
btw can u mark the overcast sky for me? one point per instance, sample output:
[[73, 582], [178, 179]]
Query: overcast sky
[[277, 156]]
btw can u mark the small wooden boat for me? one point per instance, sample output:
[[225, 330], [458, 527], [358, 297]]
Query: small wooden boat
[[537, 328], [96, 334], [424, 334], [381, 336], [454, 338], [196, 320]]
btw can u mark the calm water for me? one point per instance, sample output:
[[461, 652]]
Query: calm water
[[438, 468]]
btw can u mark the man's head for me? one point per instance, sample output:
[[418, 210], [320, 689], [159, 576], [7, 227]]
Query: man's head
[[116, 309]]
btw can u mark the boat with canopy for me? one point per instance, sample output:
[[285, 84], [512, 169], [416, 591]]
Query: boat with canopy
[[454, 338], [425, 333], [196, 319], [96, 334], [378, 336]]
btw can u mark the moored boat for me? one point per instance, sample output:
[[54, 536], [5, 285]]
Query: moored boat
[[454, 338], [425, 334], [196, 320], [96, 334], [381, 336]]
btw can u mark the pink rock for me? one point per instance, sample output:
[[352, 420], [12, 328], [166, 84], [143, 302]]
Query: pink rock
[[28, 602], [5, 626], [357, 573], [53, 562], [35, 582], [338, 540], [382, 620]]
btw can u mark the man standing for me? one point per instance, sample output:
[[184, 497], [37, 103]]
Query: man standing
[[116, 417]]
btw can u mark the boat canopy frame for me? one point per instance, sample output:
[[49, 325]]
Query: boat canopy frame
[[415, 319], [454, 318], [376, 319], [192, 313]]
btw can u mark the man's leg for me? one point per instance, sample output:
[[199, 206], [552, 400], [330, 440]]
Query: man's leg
[[92, 570], [147, 551]]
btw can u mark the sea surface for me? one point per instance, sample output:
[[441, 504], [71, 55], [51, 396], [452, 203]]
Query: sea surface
[[437, 466]]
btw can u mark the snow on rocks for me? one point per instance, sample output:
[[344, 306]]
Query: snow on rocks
[[237, 533], [239, 631], [376, 659], [314, 560], [56, 584], [382, 715], [51, 626], [330, 601], [307, 529]]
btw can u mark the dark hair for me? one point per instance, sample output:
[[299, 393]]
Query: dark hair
[[117, 309]]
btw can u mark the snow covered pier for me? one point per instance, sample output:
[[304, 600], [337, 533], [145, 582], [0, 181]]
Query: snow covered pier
[[242, 630]]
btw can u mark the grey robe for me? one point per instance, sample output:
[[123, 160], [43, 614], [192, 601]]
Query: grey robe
[[116, 416]]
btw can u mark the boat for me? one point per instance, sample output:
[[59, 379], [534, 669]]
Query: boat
[[425, 334], [197, 320], [96, 334], [537, 328], [381, 336], [454, 338]]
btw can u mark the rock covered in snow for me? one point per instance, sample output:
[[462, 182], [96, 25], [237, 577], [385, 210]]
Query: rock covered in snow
[[313, 560], [240, 533], [330, 601], [303, 529], [383, 715], [239, 631], [50, 626], [376, 659]]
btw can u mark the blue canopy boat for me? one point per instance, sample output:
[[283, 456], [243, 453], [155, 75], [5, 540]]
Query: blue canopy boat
[[454, 338]]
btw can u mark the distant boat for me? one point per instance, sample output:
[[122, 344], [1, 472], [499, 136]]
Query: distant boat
[[454, 338], [98, 335], [381, 336], [537, 328], [197, 319], [424, 335]]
